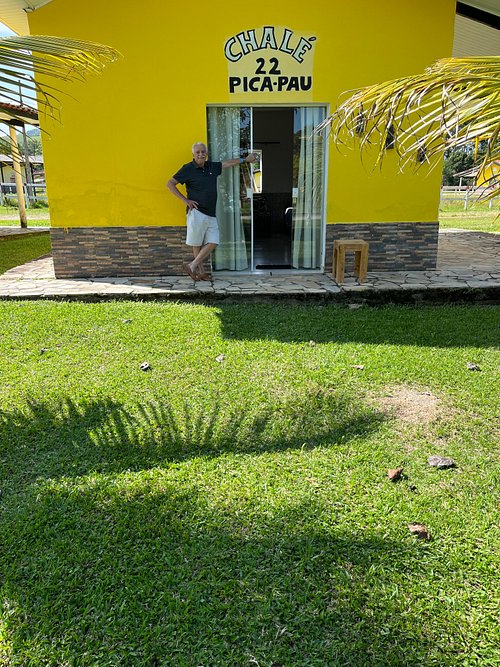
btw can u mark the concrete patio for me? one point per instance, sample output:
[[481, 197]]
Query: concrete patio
[[468, 271]]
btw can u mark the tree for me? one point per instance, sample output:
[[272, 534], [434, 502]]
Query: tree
[[34, 143], [456, 160], [453, 104]]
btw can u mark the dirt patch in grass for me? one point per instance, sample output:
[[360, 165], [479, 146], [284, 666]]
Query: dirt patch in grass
[[411, 405]]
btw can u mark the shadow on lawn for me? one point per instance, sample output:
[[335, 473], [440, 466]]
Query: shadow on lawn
[[165, 568], [104, 436], [443, 326], [116, 573]]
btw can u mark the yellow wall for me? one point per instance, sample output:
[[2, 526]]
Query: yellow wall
[[130, 129], [484, 177]]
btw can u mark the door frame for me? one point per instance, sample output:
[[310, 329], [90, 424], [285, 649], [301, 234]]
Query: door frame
[[326, 145]]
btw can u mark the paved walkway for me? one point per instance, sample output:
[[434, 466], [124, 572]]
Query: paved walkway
[[9, 232], [461, 248], [468, 270]]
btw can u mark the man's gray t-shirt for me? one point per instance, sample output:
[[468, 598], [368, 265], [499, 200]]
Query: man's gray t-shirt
[[201, 184]]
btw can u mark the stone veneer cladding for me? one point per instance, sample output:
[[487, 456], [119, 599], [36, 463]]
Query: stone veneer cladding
[[93, 252], [394, 246]]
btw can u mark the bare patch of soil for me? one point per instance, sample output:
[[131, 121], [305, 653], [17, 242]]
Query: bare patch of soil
[[411, 405]]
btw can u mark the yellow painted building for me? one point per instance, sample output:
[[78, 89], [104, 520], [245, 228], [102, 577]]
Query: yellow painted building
[[238, 79], [485, 176]]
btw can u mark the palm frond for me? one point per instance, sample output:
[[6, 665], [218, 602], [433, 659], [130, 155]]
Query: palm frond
[[24, 58], [454, 102]]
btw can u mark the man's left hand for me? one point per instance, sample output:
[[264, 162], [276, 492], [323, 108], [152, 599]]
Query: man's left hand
[[251, 157]]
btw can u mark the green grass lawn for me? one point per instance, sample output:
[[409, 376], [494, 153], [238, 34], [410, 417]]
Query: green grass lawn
[[32, 222], [22, 249], [37, 217], [479, 217], [235, 511]]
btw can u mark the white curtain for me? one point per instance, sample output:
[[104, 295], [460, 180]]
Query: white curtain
[[224, 144], [307, 215]]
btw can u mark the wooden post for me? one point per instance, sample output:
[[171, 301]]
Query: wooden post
[[17, 175]]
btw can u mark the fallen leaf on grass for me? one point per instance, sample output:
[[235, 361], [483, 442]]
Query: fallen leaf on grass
[[419, 530], [394, 474], [312, 343], [359, 367], [145, 366], [220, 358], [126, 321]]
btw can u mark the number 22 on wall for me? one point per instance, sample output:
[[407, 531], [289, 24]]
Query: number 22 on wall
[[274, 69]]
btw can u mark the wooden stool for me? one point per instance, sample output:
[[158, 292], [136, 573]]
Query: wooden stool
[[360, 249]]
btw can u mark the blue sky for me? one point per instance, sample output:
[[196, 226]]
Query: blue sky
[[4, 31]]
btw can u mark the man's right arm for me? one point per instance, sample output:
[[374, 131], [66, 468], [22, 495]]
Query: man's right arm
[[172, 186]]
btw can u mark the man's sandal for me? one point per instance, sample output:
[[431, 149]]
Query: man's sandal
[[188, 270]]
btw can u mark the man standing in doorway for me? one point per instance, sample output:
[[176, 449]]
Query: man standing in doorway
[[200, 178]]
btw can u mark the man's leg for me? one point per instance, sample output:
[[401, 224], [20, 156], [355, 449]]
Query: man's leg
[[211, 239], [200, 271], [208, 225], [196, 251], [202, 254]]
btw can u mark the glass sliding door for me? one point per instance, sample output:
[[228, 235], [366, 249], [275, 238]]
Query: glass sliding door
[[285, 230], [229, 136], [308, 188]]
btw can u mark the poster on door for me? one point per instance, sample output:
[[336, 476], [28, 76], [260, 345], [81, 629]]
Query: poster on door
[[271, 62]]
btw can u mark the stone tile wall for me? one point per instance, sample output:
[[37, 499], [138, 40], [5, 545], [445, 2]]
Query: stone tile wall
[[401, 246], [93, 252]]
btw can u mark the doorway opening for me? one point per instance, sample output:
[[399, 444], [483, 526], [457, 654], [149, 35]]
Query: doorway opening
[[270, 213], [272, 206]]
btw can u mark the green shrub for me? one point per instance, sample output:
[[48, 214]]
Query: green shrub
[[39, 203], [10, 202]]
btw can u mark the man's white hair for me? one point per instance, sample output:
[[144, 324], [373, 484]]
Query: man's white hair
[[199, 143]]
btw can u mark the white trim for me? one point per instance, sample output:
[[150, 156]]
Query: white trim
[[490, 6], [252, 270], [326, 155], [14, 13], [252, 248]]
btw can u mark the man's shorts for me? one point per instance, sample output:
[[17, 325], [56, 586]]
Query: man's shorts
[[201, 228]]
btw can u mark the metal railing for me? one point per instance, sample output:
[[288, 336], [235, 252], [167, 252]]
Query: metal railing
[[33, 192], [465, 194]]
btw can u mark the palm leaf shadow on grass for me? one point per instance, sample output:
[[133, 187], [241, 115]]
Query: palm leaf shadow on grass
[[166, 578], [119, 568], [104, 436]]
